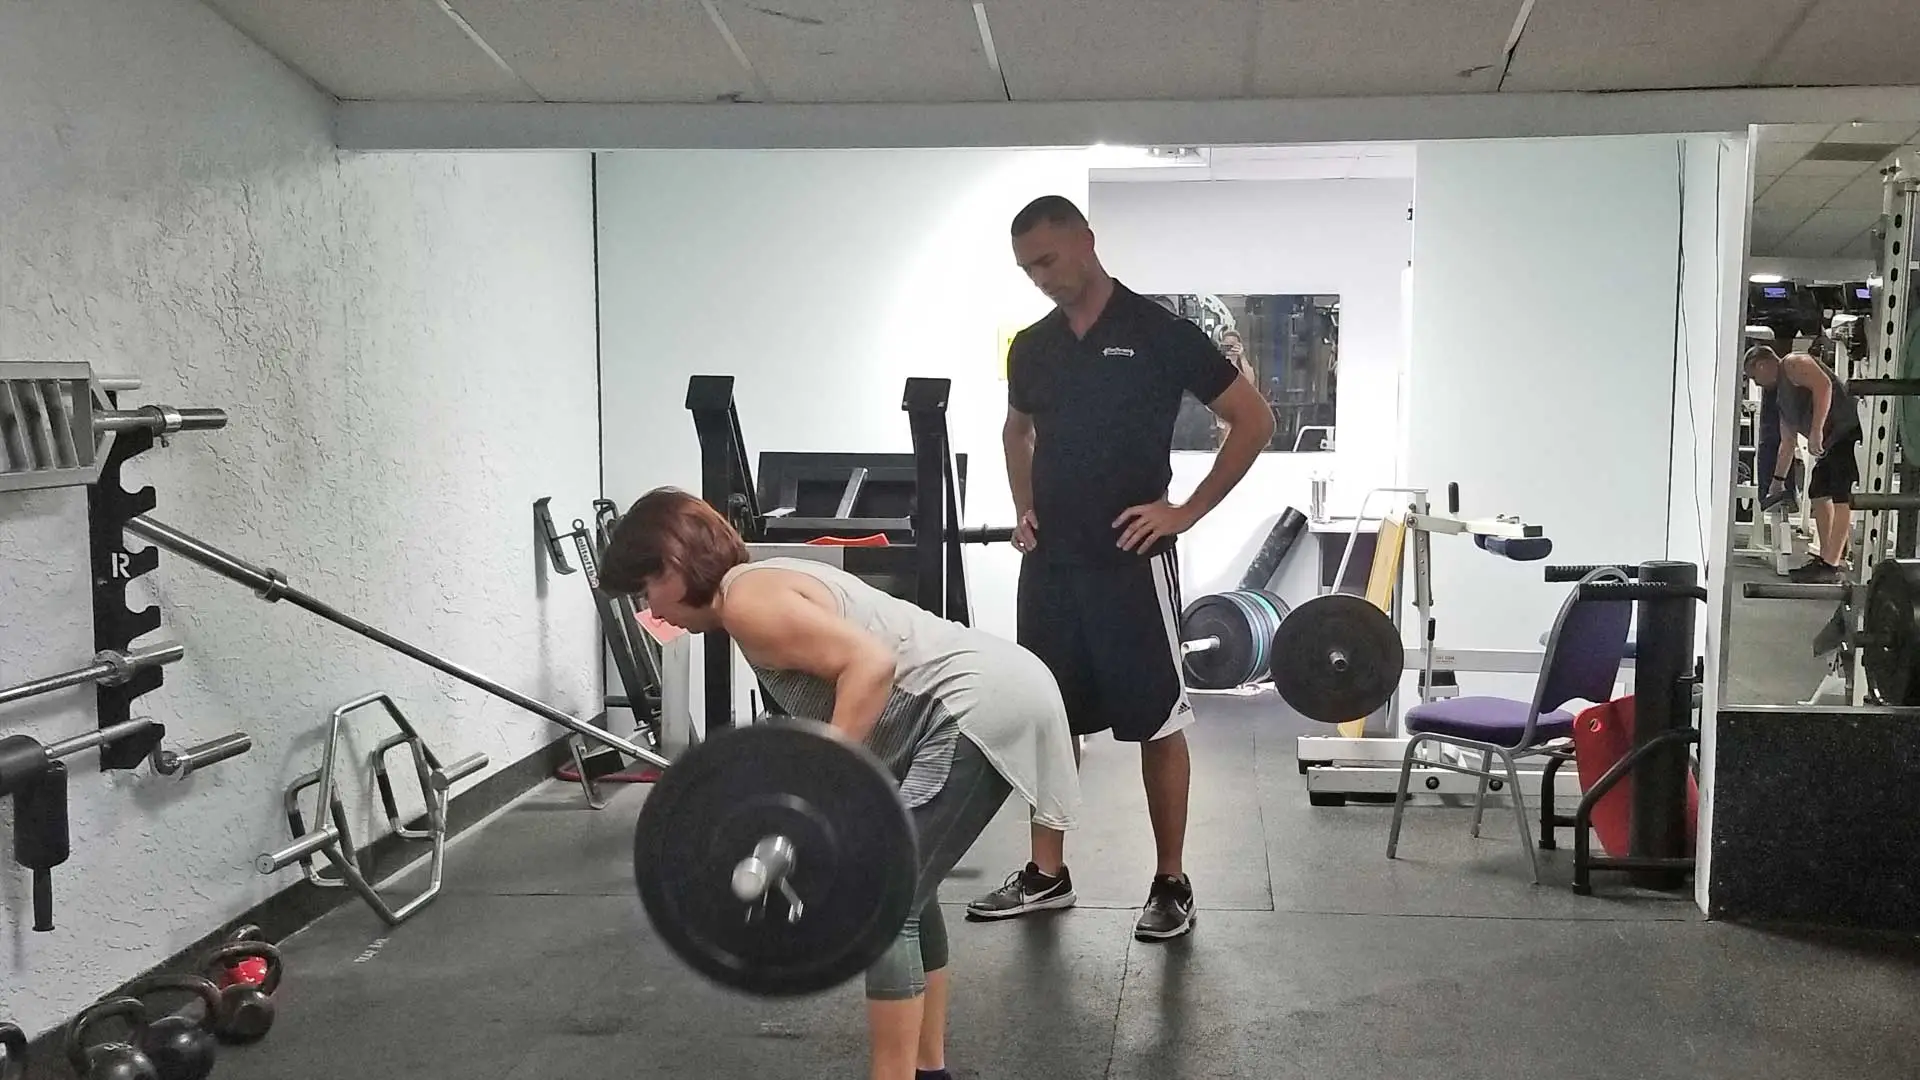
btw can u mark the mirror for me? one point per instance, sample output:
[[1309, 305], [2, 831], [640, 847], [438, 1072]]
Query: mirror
[[1286, 345], [1814, 277]]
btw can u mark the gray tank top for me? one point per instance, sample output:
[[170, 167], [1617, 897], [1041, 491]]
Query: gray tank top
[[1796, 407], [915, 734]]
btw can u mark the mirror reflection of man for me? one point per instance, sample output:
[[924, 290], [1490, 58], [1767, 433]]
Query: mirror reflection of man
[[1814, 402]]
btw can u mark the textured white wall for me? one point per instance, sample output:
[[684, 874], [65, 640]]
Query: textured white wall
[[406, 347], [1348, 237]]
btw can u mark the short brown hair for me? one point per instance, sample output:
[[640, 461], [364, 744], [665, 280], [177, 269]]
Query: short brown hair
[[669, 529], [1757, 354]]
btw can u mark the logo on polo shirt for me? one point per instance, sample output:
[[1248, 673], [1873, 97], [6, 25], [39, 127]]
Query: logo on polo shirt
[[1115, 350]]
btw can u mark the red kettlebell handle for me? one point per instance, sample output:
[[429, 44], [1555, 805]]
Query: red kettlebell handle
[[231, 954]]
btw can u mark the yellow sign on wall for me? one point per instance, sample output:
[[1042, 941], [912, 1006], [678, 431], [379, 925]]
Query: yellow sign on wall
[[1007, 333]]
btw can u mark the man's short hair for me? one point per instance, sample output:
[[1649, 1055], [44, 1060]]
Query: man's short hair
[[1053, 209], [1758, 354]]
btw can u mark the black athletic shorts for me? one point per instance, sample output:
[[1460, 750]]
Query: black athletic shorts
[[1837, 472], [1110, 633]]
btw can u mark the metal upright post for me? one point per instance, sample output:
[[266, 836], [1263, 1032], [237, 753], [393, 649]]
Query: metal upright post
[[925, 403], [1663, 660], [1887, 337]]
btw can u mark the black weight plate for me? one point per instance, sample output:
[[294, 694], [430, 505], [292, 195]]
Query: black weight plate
[[1337, 658], [1892, 629], [854, 867], [1228, 664]]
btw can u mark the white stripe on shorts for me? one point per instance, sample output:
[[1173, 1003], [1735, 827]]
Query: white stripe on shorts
[[1166, 582]]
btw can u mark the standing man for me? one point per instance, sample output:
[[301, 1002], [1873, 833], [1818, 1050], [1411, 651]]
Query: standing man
[[1814, 402], [1093, 391]]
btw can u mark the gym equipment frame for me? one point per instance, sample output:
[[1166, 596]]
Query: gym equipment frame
[[1340, 766]]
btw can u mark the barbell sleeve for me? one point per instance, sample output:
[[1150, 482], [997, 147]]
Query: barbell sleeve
[[445, 778], [108, 667], [759, 873], [1199, 645], [97, 737], [159, 419], [1886, 500], [275, 861], [272, 586], [181, 764]]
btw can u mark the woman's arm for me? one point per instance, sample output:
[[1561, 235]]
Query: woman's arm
[[778, 622]]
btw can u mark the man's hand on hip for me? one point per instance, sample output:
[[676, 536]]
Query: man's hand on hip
[[1144, 525]]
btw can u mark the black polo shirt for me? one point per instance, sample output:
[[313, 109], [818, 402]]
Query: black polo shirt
[[1103, 410]]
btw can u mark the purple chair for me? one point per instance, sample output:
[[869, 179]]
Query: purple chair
[[1582, 660]]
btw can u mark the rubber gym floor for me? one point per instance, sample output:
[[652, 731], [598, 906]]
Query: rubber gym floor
[[1315, 957]]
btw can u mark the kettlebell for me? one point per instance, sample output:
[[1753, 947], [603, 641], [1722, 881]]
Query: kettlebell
[[110, 1060], [13, 1052], [245, 1011], [181, 1047]]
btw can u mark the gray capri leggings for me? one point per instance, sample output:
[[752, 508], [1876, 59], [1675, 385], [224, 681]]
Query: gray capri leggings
[[946, 825]]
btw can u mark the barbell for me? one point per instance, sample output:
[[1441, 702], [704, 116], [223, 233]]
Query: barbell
[[1333, 659], [777, 859]]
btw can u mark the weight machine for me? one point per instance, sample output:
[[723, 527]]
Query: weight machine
[[879, 510], [1872, 633], [1352, 764]]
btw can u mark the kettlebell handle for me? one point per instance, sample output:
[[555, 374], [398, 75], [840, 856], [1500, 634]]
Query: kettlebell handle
[[235, 951], [13, 1044], [131, 1008], [199, 986]]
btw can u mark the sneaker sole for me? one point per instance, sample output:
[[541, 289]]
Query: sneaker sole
[[1167, 935], [1052, 903]]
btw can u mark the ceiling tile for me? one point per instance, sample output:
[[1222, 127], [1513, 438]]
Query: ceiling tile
[[1850, 43], [1646, 44], [1835, 227], [1864, 193], [1809, 191], [865, 50], [1873, 132], [1328, 49], [1807, 133], [1079, 50], [1773, 158], [610, 50], [375, 49], [1847, 169]]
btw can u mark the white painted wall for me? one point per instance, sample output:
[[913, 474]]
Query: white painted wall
[[405, 345], [1542, 368], [821, 281], [1350, 237]]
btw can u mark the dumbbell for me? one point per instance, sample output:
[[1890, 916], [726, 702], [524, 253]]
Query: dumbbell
[[111, 1060]]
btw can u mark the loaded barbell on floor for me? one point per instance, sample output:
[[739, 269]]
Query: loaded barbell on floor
[[1335, 658], [777, 858]]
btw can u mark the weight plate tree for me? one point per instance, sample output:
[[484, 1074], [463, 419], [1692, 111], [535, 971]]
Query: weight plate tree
[[776, 859]]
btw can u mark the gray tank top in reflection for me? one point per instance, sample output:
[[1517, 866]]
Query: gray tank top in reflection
[[1796, 407]]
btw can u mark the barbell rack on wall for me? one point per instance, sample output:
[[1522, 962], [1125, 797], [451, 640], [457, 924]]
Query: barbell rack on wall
[[271, 585]]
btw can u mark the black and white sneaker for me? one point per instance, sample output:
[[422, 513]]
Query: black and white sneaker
[[1169, 910], [1025, 891]]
